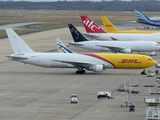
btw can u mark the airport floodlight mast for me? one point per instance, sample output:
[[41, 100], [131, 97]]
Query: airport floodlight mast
[[127, 94]]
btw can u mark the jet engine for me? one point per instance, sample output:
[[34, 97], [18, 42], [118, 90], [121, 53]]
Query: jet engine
[[96, 68], [127, 50]]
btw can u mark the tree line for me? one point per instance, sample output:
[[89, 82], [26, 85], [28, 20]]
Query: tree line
[[116, 5]]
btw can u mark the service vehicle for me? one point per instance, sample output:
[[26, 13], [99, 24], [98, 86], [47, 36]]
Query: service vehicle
[[158, 65], [150, 74], [74, 98], [153, 53], [103, 95]]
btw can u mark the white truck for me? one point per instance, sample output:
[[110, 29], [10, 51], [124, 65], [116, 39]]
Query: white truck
[[150, 74], [103, 95], [153, 53], [158, 65], [74, 98]]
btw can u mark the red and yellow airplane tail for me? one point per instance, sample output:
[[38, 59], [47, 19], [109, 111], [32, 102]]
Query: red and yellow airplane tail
[[109, 27], [91, 26]]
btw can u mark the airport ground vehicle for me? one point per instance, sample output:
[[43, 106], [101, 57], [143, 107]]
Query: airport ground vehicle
[[131, 108], [157, 72], [150, 74], [158, 65], [103, 95], [153, 53], [74, 98], [149, 85]]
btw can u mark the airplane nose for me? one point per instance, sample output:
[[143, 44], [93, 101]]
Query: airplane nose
[[154, 62]]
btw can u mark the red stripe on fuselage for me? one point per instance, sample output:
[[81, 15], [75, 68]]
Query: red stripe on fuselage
[[96, 56]]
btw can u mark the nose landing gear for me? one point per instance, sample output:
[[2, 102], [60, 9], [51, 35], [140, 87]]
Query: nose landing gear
[[143, 72]]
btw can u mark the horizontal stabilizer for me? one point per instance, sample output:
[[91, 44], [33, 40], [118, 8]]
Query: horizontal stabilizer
[[15, 58], [76, 44], [84, 33]]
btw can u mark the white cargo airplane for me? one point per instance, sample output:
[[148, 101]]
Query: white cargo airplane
[[93, 62], [114, 46], [94, 31]]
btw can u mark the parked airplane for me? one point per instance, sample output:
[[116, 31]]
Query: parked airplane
[[94, 31], [94, 62], [145, 20], [110, 28], [114, 46]]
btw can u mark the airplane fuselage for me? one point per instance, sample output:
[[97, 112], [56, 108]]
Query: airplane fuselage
[[109, 61], [144, 46], [125, 36], [149, 22]]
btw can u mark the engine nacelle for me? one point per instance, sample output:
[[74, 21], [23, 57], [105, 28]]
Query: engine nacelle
[[96, 68], [127, 50]]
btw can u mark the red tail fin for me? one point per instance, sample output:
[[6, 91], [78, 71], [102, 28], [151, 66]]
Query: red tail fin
[[91, 26]]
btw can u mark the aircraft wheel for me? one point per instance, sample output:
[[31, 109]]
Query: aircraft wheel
[[77, 72], [81, 72]]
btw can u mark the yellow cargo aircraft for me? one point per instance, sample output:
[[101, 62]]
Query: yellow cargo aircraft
[[110, 28]]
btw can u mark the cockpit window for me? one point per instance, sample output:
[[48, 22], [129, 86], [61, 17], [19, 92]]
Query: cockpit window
[[157, 44], [150, 59]]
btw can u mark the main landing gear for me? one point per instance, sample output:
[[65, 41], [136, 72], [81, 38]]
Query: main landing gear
[[80, 70]]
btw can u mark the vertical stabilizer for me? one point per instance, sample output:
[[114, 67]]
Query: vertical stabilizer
[[18, 45], [91, 26], [109, 27], [61, 48], [141, 16], [76, 35]]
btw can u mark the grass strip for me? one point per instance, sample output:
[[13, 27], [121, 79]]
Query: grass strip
[[3, 32]]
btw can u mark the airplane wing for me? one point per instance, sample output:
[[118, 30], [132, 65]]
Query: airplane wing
[[76, 63], [113, 48]]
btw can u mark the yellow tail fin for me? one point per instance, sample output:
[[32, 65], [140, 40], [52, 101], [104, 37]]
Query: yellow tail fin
[[109, 27]]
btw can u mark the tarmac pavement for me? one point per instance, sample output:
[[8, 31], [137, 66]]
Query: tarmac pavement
[[33, 93]]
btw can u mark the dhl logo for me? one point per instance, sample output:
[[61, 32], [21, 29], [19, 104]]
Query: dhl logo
[[129, 61], [108, 25]]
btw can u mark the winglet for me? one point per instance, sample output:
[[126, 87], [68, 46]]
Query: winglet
[[109, 27], [18, 45], [91, 26], [76, 35], [61, 48]]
